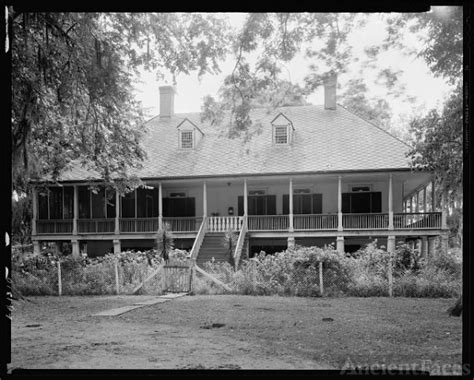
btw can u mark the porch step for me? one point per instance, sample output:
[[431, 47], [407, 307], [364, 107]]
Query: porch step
[[212, 246]]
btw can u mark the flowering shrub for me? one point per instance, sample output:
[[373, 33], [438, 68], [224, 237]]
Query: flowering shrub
[[34, 275], [364, 274], [291, 272], [83, 275]]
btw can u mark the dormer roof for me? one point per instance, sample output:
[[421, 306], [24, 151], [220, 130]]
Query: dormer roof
[[188, 124], [281, 119]]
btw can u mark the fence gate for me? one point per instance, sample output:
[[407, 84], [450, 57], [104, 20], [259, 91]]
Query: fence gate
[[178, 275]]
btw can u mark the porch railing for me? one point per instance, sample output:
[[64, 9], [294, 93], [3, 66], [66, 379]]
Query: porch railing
[[138, 224], [417, 220], [240, 242], [315, 222], [183, 224], [268, 222], [365, 221], [306, 222], [54, 226], [96, 225], [223, 223], [199, 239]]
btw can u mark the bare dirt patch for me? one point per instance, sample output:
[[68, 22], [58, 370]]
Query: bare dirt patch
[[241, 332]]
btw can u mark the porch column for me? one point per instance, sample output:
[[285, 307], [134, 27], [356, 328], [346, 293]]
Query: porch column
[[76, 212], [117, 213], [425, 209], [117, 246], [160, 206], [390, 202], [339, 204], [424, 246], [431, 246], [290, 201], [391, 244], [75, 247], [390, 251], [204, 199], [36, 247], [35, 212], [246, 203], [340, 244], [291, 239], [444, 242], [444, 207], [433, 198]]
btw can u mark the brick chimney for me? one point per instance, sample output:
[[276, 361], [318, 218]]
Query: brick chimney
[[167, 101], [330, 84]]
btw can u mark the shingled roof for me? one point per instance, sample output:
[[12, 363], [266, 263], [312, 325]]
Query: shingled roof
[[323, 141]]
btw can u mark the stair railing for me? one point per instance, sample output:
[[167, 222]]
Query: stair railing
[[199, 238], [240, 241]]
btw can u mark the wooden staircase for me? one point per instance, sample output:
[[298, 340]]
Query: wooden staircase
[[212, 246]]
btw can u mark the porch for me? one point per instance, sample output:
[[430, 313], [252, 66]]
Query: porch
[[306, 222], [378, 204]]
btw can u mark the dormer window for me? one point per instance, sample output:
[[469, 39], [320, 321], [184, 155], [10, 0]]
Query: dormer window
[[282, 130], [281, 134], [189, 134], [186, 139]]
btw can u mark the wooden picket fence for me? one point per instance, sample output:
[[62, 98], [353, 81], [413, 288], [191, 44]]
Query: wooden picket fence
[[178, 275]]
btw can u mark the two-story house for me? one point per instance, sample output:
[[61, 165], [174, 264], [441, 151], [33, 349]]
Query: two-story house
[[308, 175]]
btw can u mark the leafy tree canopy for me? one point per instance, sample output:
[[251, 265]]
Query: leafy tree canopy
[[438, 145], [72, 82]]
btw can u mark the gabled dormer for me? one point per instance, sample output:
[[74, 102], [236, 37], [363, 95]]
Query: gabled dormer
[[282, 130], [189, 134]]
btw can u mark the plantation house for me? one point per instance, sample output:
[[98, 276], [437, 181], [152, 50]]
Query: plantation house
[[308, 175]]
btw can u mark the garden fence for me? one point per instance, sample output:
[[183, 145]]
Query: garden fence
[[364, 276]]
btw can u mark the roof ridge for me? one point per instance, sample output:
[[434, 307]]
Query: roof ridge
[[253, 108], [374, 125]]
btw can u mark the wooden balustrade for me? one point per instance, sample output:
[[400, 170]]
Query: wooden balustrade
[[96, 226], [54, 226], [240, 242], [183, 224], [417, 220], [315, 222], [268, 222], [306, 222], [365, 221], [138, 224], [199, 238], [223, 223]]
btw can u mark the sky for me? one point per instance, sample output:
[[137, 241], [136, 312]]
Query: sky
[[428, 91]]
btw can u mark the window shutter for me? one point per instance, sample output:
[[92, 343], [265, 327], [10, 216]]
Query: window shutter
[[166, 207], [190, 207], [317, 204], [286, 206], [376, 202], [240, 205], [271, 204], [346, 202]]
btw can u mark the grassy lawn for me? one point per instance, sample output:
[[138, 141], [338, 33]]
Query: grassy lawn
[[254, 332]]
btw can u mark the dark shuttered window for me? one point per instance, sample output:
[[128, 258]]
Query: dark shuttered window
[[303, 204]]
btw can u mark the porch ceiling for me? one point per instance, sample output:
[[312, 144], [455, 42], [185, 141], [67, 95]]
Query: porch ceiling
[[411, 180]]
